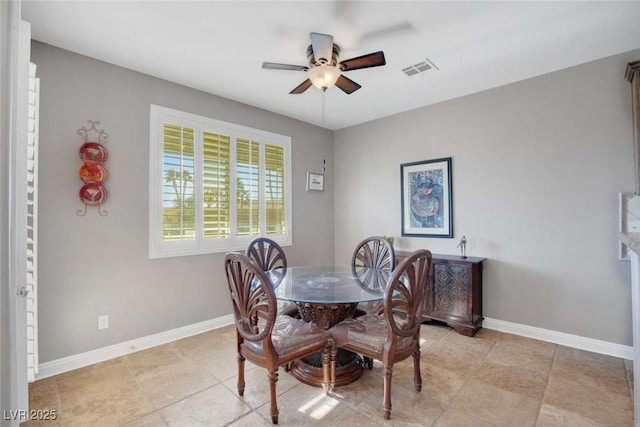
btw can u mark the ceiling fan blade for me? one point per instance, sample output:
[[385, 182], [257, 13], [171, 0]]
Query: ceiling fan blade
[[322, 45], [347, 85], [394, 30], [375, 59], [301, 88], [276, 66]]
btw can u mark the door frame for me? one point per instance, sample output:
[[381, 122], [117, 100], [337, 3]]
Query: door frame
[[14, 60]]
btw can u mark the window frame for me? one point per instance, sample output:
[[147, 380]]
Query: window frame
[[158, 247]]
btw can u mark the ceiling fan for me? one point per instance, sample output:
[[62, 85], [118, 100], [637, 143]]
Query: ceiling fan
[[324, 70]]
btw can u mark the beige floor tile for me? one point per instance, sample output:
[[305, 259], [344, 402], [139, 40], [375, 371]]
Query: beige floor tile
[[166, 376], [522, 366], [532, 354], [151, 420], [432, 333], [153, 358], [463, 362], [605, 373], [107, 393], [591, 385], [305, 405], [215, 406], [551, 416], [583, 396], [201, 346], [223, 364], [453, 418], [492, 379], [517, 379], [440, 384], [495, 405], [515, 339], [408, 407], [44, 403], [252, 419], [107, 410], [353, 394], [257, 391], [477, 344], [357, 418]]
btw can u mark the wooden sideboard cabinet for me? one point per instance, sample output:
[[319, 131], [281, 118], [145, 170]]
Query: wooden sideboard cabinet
[[455, 296]]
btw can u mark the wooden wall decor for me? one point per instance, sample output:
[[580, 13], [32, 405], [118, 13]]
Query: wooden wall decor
[[92, 173]]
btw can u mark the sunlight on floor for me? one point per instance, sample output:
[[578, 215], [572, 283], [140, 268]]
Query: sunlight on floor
[[319, 407]]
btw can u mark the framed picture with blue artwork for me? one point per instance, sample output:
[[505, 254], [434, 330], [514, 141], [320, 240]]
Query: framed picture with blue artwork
[[427, 207]]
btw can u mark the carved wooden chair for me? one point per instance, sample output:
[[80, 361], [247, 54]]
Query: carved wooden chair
[[372, 263], [269, 255], [394, 335], [263, 337]]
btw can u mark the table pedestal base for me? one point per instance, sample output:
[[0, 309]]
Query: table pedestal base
[[309, 369], [348, 365]]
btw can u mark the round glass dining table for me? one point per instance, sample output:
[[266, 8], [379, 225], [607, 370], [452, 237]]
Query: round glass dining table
[[327, 295]]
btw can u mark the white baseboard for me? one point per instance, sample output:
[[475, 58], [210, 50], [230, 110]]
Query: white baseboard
[[575, 341], [81, 360]]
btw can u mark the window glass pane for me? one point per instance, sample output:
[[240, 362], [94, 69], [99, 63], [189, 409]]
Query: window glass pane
[[274, 191], [247, 187], [216, 185], [178, 202]]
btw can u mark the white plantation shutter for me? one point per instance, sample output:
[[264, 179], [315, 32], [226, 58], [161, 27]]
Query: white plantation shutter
[[32, 225], [275, 194], [214, 186]]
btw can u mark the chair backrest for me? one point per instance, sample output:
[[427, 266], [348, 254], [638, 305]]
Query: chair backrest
[[252, 295], [405, 293], [268, 254], [375, 253]]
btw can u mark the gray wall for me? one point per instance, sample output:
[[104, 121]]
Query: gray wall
[[96, 265], [537, 167]]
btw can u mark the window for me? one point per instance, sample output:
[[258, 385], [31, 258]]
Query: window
[[215, 186]]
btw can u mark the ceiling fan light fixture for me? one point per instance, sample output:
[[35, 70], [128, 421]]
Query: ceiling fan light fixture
[[324, 76]]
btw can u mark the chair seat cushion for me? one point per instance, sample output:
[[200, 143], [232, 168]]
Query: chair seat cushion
[[369, 331], [289, 335]]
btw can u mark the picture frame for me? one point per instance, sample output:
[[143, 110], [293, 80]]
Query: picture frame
[[427, 204], [315, 181]]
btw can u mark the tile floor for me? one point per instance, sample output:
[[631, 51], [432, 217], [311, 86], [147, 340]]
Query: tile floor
[[492, 379]]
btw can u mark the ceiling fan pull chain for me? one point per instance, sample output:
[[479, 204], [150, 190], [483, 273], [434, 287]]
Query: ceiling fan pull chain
[[324, 131]]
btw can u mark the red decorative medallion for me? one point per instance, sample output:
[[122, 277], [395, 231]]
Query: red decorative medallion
[[92, 152], [93, 193], [92, 172]]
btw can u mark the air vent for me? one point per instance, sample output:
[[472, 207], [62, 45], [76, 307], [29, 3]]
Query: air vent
[[420, 67]]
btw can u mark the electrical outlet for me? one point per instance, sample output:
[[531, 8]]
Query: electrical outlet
[[103, 322]]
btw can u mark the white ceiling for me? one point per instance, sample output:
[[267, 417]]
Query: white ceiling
[[219, 46]]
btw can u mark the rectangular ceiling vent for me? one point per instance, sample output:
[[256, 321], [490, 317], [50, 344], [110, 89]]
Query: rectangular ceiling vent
[[420, 67]]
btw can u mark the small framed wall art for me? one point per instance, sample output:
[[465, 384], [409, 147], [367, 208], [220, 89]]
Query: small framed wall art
[[315, 181], [427, 207]]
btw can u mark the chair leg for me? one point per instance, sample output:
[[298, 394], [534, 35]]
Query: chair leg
[[240, 359], [386, 404], [417, 378], [332, 362], [273, 379], [326, 377]]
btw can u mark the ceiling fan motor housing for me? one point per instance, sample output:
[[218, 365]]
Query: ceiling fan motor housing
[[313, 62]]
